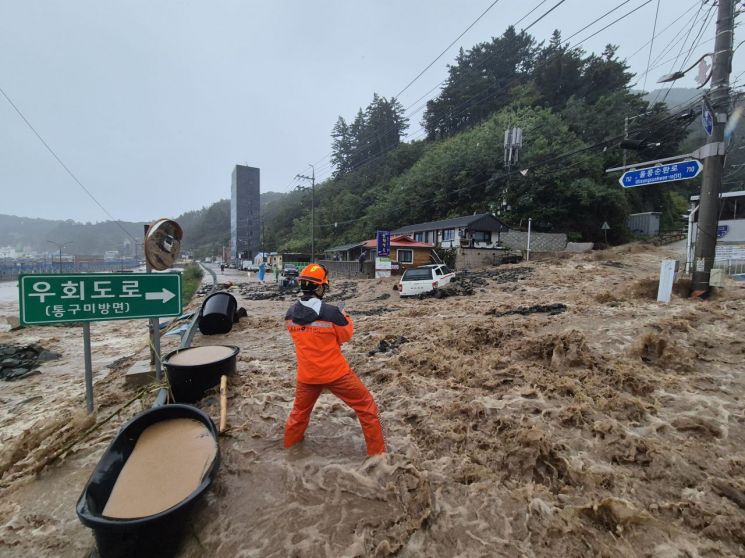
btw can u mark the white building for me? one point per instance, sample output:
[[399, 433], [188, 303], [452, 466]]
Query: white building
[[470, 231], [730, 231]]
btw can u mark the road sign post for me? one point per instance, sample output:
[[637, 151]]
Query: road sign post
[[660, 174], [605, 228], [707, 118], [88, 297], [383, 243]]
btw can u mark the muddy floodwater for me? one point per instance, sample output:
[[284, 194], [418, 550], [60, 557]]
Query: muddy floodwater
[[550, 408]]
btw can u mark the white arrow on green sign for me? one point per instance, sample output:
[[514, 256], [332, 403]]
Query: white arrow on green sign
[[90, 297]]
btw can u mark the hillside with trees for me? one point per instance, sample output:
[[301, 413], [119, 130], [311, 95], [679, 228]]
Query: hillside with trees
[[571, 106]]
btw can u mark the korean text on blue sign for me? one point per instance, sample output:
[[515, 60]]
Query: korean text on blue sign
[[663, 173], [384, 243]]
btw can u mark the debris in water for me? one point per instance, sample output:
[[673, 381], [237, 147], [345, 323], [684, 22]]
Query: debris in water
[[388, 344], [18, 362], [550, 309]]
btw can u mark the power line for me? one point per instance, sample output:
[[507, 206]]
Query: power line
[[694, 44], [675, 38], [473, 101], [519, 21], [406, 110], [551, 9], [62, 164], [651, 46], [447, 48], [615, 21], [606, 14]]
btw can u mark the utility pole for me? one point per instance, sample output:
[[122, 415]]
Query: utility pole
[[60, 246], [713, 151], [312, 179]]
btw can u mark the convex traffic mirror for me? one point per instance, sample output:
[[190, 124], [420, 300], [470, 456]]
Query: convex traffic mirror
[[163, 244]]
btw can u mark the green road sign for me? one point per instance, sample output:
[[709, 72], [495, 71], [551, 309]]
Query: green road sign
[[89, 297]]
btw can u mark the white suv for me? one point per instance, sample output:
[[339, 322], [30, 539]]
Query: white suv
[[424, 279]]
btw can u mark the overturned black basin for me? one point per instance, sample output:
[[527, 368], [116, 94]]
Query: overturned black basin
[[159, 534], [194, 370], [217, 313]]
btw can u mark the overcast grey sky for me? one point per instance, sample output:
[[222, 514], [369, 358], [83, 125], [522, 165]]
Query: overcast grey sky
[[151, 103]]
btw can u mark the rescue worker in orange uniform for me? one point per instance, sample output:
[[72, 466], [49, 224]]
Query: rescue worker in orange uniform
[[318, 330]]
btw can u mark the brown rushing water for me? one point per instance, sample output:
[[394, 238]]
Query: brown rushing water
[[616, 428]]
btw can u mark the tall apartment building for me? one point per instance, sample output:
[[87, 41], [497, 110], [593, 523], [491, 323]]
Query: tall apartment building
[[245, 214]]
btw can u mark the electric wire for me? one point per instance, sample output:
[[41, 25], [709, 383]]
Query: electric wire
[[606, 14], [62, 163], [328, 156], [483, 96], [675, 40], [616, 21], [467, 29], [551, 9], [651, 46], [694, 44]]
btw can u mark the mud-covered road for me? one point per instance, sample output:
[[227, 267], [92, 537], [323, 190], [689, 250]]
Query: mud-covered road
[[558, 410]]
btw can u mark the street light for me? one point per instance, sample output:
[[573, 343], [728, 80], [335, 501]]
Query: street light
[[60, 246], [680, 73], [312, 179]]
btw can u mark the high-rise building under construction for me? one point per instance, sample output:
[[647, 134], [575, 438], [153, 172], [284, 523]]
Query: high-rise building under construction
[[245, 213]]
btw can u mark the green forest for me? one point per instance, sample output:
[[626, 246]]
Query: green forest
[[571, 106]]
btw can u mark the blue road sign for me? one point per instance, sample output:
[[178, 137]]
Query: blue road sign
[[707, 119], [384, 243], [685, 170], [722, 231]]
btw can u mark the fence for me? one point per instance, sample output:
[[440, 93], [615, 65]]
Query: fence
[[11, 269], [349, 269]]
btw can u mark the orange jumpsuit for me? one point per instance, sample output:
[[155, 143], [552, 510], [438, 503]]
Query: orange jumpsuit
[[318, 331]]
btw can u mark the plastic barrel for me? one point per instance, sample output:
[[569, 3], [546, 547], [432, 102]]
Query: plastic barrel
[[189, 381], [156, 535], [217, 312]]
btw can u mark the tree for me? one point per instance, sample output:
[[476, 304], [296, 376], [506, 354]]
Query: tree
[[480, 83], [373, 132]]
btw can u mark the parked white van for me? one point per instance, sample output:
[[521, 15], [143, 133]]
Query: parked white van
[[424, 279]]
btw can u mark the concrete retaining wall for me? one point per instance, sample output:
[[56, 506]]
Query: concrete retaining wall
[[473, 258], [579, 246], [539, 242]]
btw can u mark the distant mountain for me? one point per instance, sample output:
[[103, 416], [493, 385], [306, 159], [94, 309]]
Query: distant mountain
[[205, 231], [676, 96]]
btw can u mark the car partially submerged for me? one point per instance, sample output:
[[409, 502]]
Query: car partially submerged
[[424, 279]]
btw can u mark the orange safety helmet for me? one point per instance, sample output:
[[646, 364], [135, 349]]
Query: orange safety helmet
[[315, 273]]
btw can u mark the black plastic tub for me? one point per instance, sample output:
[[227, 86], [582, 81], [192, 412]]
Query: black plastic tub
[[217, 313], [189, 381], [156, 535]]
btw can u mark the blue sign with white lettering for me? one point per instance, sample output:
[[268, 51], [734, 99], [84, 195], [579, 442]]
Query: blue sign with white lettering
[[707, 119], [384, 243], [685, 170], [722, 231]]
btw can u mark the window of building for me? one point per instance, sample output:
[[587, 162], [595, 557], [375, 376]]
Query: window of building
[[405, 256], [481, 236], [448, 234], [419, 237]]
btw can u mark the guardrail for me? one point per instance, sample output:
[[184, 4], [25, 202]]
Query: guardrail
[[188, 336]]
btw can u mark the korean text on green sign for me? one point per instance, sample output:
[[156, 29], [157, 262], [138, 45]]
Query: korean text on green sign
[[86, 297]]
